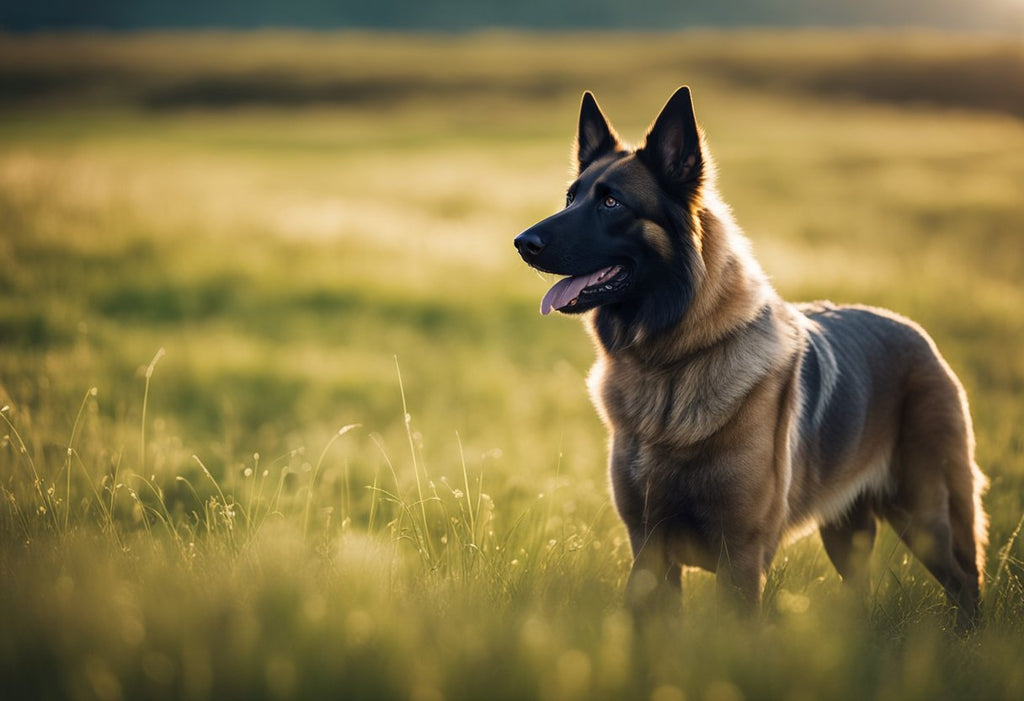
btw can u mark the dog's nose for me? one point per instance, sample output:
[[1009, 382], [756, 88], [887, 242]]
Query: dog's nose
[[529, 244]]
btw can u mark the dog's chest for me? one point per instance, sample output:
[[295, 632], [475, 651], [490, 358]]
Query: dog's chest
[[677, 408], [688, 401]]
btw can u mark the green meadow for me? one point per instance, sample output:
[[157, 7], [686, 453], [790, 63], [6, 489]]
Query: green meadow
[[280, 418]]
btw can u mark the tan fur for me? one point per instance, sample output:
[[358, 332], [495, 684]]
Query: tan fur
[[658, 239]]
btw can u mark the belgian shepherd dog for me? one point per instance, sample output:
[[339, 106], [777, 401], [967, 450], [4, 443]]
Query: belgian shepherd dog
[[737, 419]]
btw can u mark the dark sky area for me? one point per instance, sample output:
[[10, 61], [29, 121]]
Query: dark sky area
[[457, 15]]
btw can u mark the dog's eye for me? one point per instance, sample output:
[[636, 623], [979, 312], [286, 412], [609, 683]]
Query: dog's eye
[[569, 197], [610, 202]]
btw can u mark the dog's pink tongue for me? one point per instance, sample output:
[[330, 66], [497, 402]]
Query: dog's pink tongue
[[563, 292]]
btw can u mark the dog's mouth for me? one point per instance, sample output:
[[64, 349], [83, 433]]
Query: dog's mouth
[[579, 293]]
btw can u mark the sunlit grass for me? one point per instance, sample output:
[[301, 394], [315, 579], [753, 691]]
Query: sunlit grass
[[363, 464]]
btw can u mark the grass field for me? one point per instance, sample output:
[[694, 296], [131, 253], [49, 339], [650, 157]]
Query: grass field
[[280, 418]]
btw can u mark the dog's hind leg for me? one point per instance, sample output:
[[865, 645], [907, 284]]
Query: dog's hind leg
[[848, 542], [936, 508], [929, 536]]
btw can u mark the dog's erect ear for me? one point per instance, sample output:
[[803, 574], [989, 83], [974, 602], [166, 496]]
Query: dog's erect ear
[[595, 137], [673, 148]]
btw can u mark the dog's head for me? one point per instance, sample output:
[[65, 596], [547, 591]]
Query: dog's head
[[628, 238]]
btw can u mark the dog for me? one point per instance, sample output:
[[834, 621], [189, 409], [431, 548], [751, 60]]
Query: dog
[[737, 419]]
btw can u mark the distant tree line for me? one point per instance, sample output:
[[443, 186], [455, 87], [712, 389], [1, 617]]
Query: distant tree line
[[460, 15]]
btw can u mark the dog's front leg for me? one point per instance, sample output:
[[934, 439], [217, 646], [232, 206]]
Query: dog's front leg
[[654, 585], [740, 575]]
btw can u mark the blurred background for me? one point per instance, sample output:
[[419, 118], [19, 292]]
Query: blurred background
[[662, 15], [287, 210]]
